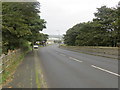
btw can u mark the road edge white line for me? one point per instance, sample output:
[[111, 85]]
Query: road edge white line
[[75, 59], [105, 70]]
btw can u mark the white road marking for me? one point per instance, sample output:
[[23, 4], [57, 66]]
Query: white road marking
[[105, 70], [75, 59]]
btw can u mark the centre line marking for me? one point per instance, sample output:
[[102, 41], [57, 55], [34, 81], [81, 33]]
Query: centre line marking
[[105, 70], [75, 59]]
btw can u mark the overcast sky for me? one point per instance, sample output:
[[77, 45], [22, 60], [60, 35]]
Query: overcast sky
[[64, 14]]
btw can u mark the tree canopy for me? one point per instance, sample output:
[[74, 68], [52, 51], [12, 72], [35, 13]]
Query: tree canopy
[[21, 22], [101, 31]]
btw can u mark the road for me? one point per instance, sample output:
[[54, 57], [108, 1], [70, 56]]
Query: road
[[68, 69]]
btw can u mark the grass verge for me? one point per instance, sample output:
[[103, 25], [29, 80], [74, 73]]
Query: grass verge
[[108, 52], [8, 74], [37, 80]]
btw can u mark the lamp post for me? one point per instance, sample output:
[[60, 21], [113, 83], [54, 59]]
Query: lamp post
[[118, 4], [58, 37]]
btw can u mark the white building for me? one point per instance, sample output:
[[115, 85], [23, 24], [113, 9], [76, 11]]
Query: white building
[[51, 40]]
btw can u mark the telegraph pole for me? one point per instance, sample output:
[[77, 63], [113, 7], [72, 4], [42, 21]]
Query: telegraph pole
[[58, 37]]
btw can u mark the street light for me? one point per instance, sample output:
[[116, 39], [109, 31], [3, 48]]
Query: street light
[[118, 4], [58, 36]]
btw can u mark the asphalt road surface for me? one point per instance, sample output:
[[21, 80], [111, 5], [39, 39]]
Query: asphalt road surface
[[68, 69]]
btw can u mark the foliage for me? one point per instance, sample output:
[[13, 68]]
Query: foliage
[[102, 31], [21, 23]]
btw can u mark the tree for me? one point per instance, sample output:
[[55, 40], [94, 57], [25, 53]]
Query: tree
[[107, 18], [118, 23], [102, 31], [21, 22], [71, 35]]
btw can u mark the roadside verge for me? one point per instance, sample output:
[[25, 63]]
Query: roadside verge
[[28, 74], [108, 52], [40, 80]]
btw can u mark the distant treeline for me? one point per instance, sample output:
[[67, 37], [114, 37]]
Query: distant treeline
[[103, 30], [21, 24]]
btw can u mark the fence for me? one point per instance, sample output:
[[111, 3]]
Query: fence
[[7, 60]]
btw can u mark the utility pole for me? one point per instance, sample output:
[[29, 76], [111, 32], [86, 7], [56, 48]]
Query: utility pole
[[58, 37]]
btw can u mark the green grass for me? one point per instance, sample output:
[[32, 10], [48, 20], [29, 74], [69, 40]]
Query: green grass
[[7, 75], [96, 49], [63, 45], [37, 80]]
